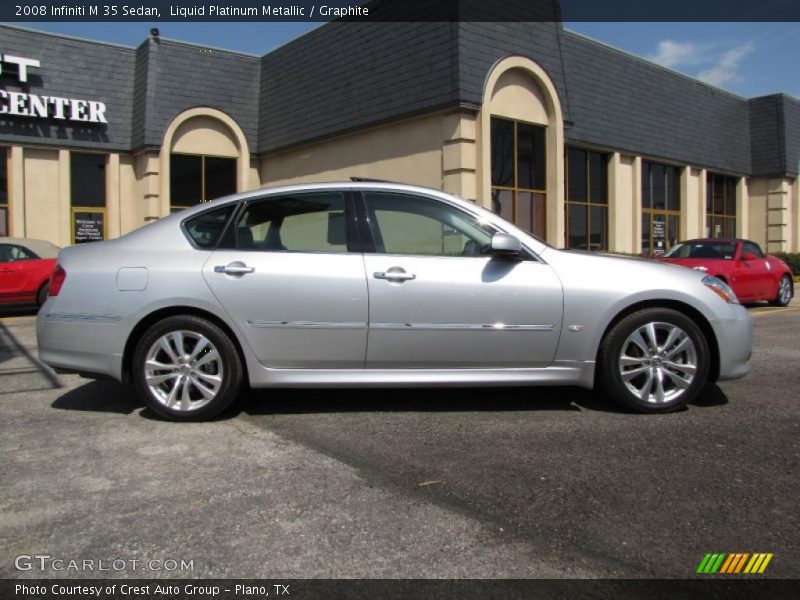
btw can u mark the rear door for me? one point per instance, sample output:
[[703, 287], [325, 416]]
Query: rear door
[[438, 300], [291, 276]]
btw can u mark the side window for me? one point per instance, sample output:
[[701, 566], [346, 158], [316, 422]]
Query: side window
[[414, 225], [309, 222], [12, 253], [752, 249], [205, 229]]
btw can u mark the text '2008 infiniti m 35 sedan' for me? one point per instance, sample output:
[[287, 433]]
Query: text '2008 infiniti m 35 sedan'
[[378, 284]]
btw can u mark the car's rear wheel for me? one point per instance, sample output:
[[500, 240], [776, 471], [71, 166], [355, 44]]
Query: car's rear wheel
[[41, 296], [784, 293], [187, 368], [654, 360]]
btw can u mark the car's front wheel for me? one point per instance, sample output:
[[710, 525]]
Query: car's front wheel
[[187, 368], [654, 360], [784, 293]]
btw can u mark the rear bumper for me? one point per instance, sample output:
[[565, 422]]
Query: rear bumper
[[735, 341], [81, 343]]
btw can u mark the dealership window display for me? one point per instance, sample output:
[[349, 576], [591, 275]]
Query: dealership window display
[[4, 220], [586, 204], [661, 207], [720, 206], [88, 197], [519, 175], [198, 178]]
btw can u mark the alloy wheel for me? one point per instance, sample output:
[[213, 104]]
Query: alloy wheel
[[785, 291], [658, 362], [183, 370]]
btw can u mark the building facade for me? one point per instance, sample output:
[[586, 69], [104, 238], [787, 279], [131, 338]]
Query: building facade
[[584, 145]]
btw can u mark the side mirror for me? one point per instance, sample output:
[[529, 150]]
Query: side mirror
[[749, 256], [506, 245]]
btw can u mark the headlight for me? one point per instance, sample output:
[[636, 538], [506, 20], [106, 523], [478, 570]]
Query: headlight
[[720, 288], [700, 268]]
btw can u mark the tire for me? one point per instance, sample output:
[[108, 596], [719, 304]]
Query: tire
[[196, 384], [41, 296], [783, 295], [627, 384]]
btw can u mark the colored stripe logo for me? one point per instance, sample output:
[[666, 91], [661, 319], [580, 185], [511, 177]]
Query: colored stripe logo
[[734, 562]]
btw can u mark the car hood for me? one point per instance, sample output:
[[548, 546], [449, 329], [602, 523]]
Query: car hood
[[629, 274]]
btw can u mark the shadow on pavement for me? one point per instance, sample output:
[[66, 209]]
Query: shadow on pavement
[[100, 396], [475, 399], [18, 366], [18, 311], [109, 396]]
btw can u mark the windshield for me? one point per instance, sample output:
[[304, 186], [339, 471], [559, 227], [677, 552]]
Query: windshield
[[718, 250]]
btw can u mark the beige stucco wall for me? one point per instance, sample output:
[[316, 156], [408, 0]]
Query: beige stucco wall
[[795, 234], [205, 135], [772, 213], [43, 214], [621, 203], [517, 96], [693, 203], [408, 152]]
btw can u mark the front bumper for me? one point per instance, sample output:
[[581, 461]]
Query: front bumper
[[735, 342]]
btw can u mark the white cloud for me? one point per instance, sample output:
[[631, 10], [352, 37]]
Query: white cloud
[[718, 63], [677, 54], [726, 68]]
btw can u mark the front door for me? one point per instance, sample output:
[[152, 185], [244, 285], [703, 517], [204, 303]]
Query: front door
[[438, 300], [14, 273], [754, 275], [286, 276]]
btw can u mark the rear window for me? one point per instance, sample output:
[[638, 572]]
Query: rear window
[[206, 228]]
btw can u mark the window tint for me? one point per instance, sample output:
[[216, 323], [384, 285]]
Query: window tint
[[205, 229], [87, 179], [12, 253], [3, 193], [303, 223], [419, 226], [750, 247]]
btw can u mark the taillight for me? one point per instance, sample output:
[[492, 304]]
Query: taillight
[[57, 278]]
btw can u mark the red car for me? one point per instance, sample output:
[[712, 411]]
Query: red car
[[25, 267], [741, 264]]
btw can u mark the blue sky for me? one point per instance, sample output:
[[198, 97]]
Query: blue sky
[[750, 59]]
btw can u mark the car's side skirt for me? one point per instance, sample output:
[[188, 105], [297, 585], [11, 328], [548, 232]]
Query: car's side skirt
[[560, 373]]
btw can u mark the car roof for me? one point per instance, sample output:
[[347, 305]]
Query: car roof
[[42, 248]]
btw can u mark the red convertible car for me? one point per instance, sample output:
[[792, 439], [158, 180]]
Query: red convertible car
[[25, 267], [741, 264]]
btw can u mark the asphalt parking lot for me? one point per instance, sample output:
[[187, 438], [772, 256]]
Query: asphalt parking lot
[[533, 482]]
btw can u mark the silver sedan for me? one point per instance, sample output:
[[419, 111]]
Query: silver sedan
[[376, 284]]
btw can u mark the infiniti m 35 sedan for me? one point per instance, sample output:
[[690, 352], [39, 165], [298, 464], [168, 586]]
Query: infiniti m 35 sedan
[[376, 284]]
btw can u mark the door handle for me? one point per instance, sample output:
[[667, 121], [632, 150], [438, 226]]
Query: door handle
[[234, 268], [394, 274]]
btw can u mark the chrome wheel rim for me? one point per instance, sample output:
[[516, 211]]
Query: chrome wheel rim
[[658, 362], [183, 370], [785, 291]]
